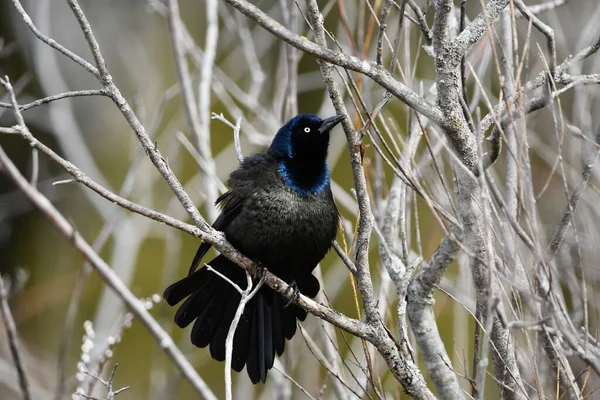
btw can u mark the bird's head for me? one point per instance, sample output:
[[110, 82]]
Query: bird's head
[[305, 137], [301, 148]]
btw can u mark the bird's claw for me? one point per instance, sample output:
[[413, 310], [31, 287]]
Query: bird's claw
[[260, 272], [293, 296]]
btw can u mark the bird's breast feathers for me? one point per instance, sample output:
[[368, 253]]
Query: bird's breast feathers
[[275, 215]]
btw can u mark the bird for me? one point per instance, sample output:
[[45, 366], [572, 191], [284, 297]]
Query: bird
[[280, 212]]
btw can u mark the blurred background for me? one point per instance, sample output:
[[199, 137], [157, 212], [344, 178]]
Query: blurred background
[[52, 291]]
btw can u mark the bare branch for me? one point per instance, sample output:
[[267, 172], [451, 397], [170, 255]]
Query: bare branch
[[424, 326], [547, 6], [108, 384], [199, 123], [402, 368], [236, 133], [540, 79], [368, 68], [544, 29], [108, 275], [52, 43], [347, 261], [13, 340], [247, 295], [45, 100], [475, 30], [565, 223]]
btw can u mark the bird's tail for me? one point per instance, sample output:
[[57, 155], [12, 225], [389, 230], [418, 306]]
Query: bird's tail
[[212, 302]]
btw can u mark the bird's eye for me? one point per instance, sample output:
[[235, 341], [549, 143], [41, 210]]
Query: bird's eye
[[307, 129]]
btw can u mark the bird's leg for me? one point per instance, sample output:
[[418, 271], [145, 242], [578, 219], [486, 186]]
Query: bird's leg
[[293, 292], [260, 272]]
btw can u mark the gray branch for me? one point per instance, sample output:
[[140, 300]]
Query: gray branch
[[422, 320], [109, 276], [368, 68], [13, 340], [405, 371]]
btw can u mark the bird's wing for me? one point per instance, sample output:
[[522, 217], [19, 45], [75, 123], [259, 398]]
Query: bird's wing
[[253, 172], [231, 204]]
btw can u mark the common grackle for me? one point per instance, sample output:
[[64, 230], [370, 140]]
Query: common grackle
[[279, 212]]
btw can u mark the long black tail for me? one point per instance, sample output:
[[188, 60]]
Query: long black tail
[[212, 302]]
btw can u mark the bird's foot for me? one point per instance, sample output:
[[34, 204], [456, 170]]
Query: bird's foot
[[293, 292], [261, 271]]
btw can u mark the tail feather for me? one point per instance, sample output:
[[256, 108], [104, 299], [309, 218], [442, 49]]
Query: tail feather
[[194, 307], [256, 363], [268, 339], [288, 321], [207, 325], [217, 343], [277, 329], [241, 341], [185, 287], [262, 330]]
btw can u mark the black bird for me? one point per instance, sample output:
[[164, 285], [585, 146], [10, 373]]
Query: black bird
[[280, 212]]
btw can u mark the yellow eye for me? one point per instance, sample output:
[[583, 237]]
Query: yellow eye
[[307, 130]]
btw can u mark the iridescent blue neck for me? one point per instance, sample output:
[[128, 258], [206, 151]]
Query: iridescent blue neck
[[303, 181]]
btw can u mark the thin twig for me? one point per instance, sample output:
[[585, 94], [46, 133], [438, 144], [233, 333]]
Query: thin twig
[[344, 257], [55, 97], [368, 68], [198, 127], [52, 43], [204, 94], [13, 341], [246, 295], [236, 133], [111, 394], [586, 173]]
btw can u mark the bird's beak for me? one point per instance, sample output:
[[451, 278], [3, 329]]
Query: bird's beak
[[329, 123]]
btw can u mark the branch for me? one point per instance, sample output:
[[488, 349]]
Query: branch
[[149, 147], [547, 6], [344, 257], [403, 369], [365, 222], [247, 295], [475, 30], [236, 133], [422, 318], [197, 115], [544, 29], [52, 43], [531, 106], [422, 21], [45, 100], [108, 275], [9, 131], [368, 68], [540, 79], [108, 384], [385, 13], [565, 223], [449, 87], [13, 341]]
